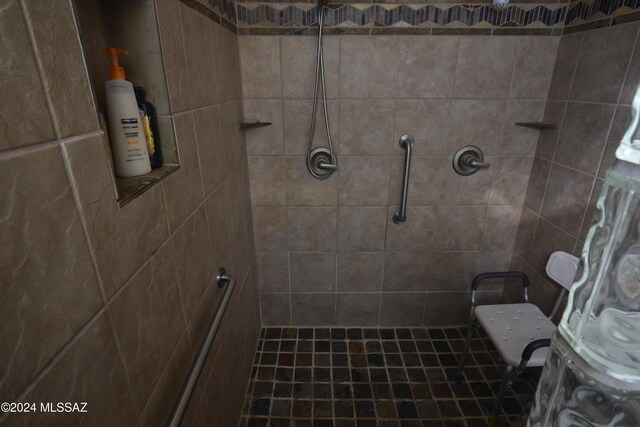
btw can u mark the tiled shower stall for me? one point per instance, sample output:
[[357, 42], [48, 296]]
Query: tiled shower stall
[[108, 303], [328, 251]]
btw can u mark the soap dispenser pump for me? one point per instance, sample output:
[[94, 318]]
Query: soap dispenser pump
[[130, 154]]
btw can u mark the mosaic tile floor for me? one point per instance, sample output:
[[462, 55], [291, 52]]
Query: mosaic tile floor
[[377, 377]]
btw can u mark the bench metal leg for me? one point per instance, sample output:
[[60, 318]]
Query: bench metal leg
[[467, 347], [507, 380]]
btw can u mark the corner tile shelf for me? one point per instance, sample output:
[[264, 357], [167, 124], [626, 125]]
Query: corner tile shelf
[[537, 125], [132, 188]]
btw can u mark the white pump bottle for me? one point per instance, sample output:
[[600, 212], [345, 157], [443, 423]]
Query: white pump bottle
[[130, 155]]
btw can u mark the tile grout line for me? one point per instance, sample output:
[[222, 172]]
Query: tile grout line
[[41, 72], [450, 349]]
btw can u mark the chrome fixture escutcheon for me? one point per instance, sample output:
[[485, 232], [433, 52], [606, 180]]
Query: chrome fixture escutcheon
[[469, 160]]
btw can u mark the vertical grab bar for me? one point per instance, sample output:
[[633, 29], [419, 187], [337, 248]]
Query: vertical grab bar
[[406, 142], [190, 384]]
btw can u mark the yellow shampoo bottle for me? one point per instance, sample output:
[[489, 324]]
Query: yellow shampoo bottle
[[126, 132]]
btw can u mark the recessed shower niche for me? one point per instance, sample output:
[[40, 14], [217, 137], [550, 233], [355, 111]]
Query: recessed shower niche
[[131, 25]]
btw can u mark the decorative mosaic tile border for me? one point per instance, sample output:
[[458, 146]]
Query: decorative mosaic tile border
[[221, 11], [591, 10], [349, 16], [590, 14], [377, 17]]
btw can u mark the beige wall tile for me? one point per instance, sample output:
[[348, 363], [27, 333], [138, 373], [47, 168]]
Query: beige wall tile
[[313, 272], [273, 271], [270, 225], [160, 404], [218, 218], [519, 139], [361, 228], [65, 77], [242, 240], [299, 57], [260, 67], [446, 308], [366, 127], [368, 67], [201, 61], [537, 184], [175, 63], [194, 266], [363, 180], [476, 122], [266, 140], [450, 271], [427, 76], [485, 66], [313, 309], [49, 288], [500, 227], [455, 189], [20, 83], [584, 135], [493, 261], [360, 271], [148, 323], [534, 66], [227, 64], [404, 309], [405, 271], [424, 179], [122, 239], [526, 230], [275, 309], [510, 180], [459, 227], [427, 120], [566, 198], [547, 239], [416, 234], [312, 228], [548, 140], [513, 288], [565, 66], [210, 147], [297, 124], [235, 148], [359, 309], [266, 176], [183, 190], [89, 370], [305, 190], [603, 63]]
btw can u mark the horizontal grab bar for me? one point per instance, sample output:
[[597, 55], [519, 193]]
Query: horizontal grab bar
[[406, 142], [179, 409]]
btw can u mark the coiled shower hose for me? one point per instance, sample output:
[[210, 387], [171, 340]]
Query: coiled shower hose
[[321, 162]]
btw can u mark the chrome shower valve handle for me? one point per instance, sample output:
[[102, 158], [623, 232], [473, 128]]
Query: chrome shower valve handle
[[469, 160], [327, 166], [322, 162]]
